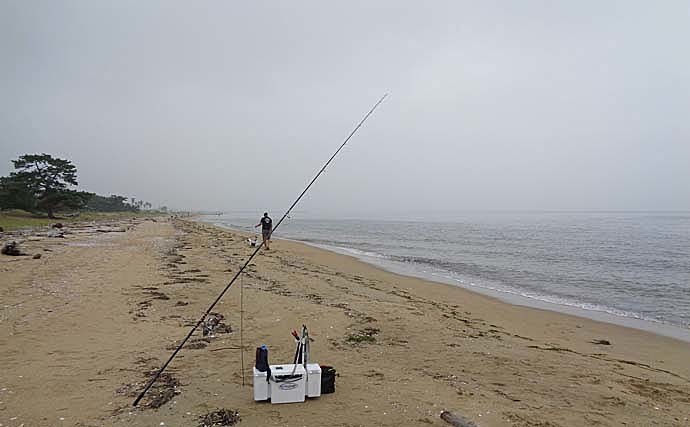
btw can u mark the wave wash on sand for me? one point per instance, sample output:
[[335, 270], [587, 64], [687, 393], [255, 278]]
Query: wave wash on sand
[[83, 326]]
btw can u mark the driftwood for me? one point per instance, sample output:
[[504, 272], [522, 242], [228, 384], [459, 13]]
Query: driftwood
[[111, 230], [456, 420], [226, 348]]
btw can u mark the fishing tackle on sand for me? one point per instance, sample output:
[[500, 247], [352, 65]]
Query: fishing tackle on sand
[[256, 251]]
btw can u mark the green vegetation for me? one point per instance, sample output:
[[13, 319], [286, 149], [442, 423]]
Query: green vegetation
[[41, 183], [114, 203], [42, 186], [10, 220], [17, 219]]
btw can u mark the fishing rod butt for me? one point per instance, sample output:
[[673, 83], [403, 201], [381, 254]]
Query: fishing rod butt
[[136, 402]]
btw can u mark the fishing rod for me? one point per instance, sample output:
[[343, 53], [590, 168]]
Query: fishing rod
[[246, 263]]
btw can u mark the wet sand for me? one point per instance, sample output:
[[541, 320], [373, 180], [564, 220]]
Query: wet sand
[[82, 328]]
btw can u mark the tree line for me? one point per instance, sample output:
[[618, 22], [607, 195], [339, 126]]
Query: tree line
[[43, 183]]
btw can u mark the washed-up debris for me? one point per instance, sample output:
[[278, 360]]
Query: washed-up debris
[[365, 336], [222, 328], [162, 391], [197, 344], [193, 344], [210, 324], [58, 225], [456, 420], [214, 324], [111, 230], [158, 295], [37, 256], [601, 342], [221, 417], [12, 249]]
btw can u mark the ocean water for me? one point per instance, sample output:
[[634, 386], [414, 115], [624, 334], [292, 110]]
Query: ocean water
[[624, 264]]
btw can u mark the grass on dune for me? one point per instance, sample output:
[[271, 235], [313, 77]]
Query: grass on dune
[[18, 219]]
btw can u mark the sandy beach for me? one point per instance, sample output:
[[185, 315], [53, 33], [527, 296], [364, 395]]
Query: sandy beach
[[83, 327]]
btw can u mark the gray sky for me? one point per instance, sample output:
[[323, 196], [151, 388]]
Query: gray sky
[[235, 105]]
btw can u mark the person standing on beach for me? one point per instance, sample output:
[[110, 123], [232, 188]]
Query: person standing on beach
[[266, 224]]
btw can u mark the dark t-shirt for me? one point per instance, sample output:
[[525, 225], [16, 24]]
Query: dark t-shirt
[[266, 223]]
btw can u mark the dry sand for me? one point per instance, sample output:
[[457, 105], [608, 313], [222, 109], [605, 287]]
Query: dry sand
[[82, 327]]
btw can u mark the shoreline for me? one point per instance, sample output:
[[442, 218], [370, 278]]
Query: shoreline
[[658, 328], [647, 325]]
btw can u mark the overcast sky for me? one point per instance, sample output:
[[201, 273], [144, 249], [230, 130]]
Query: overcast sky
[[235, 105]]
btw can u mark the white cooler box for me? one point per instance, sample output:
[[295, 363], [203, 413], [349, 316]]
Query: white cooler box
[[289, 384], [261, 386], [313, 380]]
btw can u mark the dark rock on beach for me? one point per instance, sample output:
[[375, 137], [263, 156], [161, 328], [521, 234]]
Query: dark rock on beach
[[11, 248]]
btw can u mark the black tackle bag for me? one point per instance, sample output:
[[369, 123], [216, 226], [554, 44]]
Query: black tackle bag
[[327, 379]]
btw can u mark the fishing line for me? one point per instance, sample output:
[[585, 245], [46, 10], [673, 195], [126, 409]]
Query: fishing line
[[242, 326], [256, 251]]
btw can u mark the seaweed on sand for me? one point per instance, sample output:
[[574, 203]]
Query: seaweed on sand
[[160, 393], [221, 417], [364, 336]]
